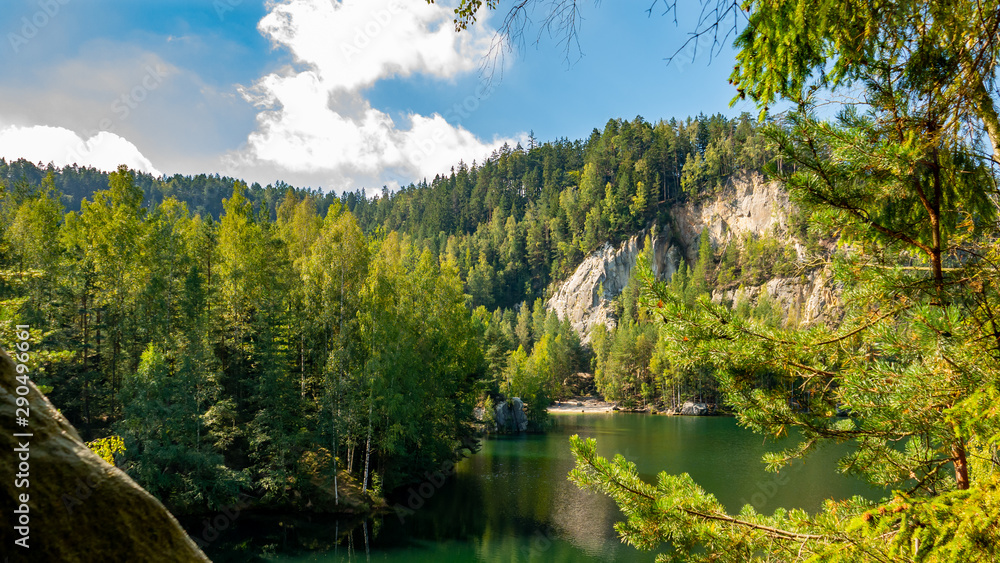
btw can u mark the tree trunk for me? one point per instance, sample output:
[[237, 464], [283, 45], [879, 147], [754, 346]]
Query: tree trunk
[[988, 113], [368, 449], [961, 465]]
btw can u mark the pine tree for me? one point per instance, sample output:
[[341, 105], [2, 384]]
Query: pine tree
[[913, 360]]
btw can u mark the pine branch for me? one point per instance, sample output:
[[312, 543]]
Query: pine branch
[[771, 532]]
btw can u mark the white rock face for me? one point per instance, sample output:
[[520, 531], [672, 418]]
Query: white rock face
[[585, 298], [750, 205], [806, 300]]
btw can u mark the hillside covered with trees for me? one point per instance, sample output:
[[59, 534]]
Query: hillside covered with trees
[[279, 345], [242, 355]]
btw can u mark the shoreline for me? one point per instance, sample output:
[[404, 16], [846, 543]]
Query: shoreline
[[577, 405], [596, 405]]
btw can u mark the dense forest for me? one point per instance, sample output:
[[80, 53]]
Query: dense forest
[[279, 340], [203, 194], [243, 354]]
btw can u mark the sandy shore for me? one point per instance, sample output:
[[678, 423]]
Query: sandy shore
[[581, 404]]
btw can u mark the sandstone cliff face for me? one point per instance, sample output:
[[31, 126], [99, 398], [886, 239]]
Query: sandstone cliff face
[[750, 205], [79, 508], [806, 300], [586, 297]]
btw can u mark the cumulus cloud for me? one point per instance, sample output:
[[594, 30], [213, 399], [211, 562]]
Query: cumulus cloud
[[61, 147], [315, 119]]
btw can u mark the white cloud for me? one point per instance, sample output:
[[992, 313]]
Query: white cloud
[[177, 118], [315, 119], [353, 43], [61, 147]]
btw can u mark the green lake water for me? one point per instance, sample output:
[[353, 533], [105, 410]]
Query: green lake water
[[512, 501]]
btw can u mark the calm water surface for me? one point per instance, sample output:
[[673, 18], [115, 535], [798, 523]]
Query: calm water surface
[[512, 500]]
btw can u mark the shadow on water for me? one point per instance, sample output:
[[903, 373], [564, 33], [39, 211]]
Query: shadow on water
[[513, 502]]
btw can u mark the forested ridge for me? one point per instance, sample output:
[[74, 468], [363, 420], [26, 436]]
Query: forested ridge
[[526, 217], [521, 219], [202, 193], [297, 345]]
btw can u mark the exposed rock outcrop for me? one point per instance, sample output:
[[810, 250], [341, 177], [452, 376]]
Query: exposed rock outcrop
[[749, 205], [806, 300], [585, 298], [694, 409], [79, 508], [510, 416]]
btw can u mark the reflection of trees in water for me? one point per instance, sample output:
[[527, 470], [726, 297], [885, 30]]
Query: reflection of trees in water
[[453, 512], [512, 501], [253, 535]]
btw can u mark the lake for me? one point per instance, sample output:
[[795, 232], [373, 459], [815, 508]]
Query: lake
[[512, 501]]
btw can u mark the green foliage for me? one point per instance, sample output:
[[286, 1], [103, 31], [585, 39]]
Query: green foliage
[[161, 424], [247, 354], [108, 448], [513, 224], [790, 49], [538, 377], [701, 277], [955, 526], [525, 218], [913, 359], [622, 373]]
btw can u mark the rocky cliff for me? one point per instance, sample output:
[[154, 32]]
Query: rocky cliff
[[64, 503], [586, 297], [749, 205]]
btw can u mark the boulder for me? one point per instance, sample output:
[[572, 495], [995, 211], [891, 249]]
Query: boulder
[[510, 416], [79, 507], [694, 409]]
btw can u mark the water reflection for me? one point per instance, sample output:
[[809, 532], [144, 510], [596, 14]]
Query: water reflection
[[513, 502]]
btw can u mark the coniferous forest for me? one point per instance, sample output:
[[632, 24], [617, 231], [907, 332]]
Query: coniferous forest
[[271, 340]]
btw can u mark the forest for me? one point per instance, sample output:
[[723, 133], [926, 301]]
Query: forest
[[241, 354], [287, 346]]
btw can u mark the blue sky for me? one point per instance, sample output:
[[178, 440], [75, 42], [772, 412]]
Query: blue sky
[[334, 94]]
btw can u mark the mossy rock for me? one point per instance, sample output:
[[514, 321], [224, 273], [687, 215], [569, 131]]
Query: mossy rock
[[79, 507]]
